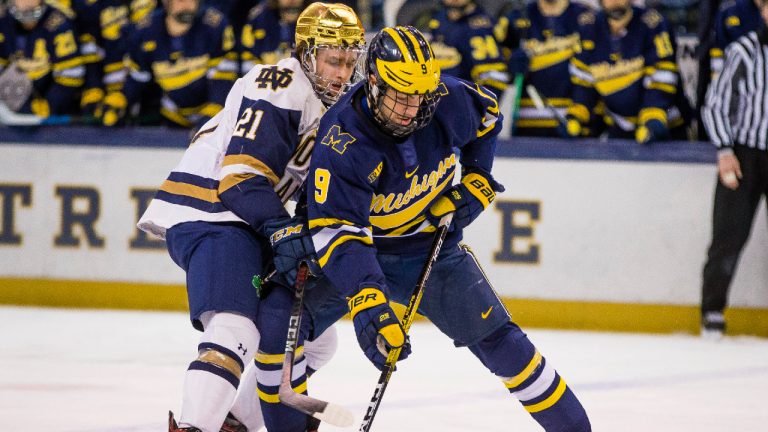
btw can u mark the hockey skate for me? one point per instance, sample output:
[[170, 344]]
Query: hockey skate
[[231, 424], [173, 427]]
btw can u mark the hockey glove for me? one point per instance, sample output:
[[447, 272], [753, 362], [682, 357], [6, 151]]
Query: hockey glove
[[519, 62], [466, 200], [40, 107], [571, 129], [112, 109], [292, 245], [653, 130], [90, 100], [378, 329]]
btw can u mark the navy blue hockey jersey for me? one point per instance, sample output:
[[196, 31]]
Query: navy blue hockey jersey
[[548, 42], [467, 49], [103, 28], [735, 19], [265, 39], [368, 192], [634, 74], [194, 71], [48, 55]]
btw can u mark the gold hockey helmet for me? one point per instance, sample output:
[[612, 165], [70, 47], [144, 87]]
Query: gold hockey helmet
[[332, 24], [333, 27]]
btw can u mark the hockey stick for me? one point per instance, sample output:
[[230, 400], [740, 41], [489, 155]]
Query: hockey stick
[[10, 118], [325, 411], [410, 313], [543, 105], [518, 84]]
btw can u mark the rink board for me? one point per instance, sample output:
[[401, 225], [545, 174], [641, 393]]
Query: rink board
[[587, 235]]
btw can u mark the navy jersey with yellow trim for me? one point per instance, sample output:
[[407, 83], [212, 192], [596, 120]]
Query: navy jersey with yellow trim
[[368, 192], [265, 39], [548, 42], [103, 27], [194, 71], [734, 20], [467, 49], [48, 55], [634, 75]]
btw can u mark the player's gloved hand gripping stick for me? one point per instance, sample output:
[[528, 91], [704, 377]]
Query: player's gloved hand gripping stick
[[465, 200], [410, 313]]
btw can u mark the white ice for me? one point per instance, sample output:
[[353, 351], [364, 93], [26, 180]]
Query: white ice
[[110, 371]]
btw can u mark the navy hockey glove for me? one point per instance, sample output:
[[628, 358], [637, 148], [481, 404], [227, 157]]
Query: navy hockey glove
[[653, 130], [466, 200], [378, 329], [292, 245], [519, 62]]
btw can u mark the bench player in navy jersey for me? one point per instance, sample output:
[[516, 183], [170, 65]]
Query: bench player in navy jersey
[[625, 72]]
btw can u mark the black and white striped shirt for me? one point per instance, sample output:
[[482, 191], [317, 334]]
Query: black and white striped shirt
[[736, 106]]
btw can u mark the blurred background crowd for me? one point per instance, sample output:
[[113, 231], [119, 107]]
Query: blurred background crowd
[[616, 68]]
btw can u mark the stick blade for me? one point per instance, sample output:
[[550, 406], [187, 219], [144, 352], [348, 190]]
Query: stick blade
[[336, 415]]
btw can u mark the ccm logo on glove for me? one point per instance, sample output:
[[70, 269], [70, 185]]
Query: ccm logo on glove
[[285, 233]]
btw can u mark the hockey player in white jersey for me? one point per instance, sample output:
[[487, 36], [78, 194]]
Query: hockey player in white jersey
[[219, 208]]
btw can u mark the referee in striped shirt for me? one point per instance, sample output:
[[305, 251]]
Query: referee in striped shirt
[[735, 115]]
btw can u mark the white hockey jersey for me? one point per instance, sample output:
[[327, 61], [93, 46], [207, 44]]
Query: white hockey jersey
[[267, 128]]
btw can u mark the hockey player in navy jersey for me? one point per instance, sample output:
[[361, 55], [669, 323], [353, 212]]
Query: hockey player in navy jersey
[[188, 52], [626, 61], [219, 208], [38, 42], [462, 37], [735, 19], [267, 36], [103, 28], [541, 38], [380, 179]]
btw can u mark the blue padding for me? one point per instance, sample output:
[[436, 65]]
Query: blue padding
[[97, 136], [611, 150], [518, 147]]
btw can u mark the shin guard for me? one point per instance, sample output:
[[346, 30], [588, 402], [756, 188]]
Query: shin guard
[[211, 382], [525, 372]]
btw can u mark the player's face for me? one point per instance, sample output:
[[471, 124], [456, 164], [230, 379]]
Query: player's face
[[289, 9], [456, 3], [182, 6], [335, 67], [399, 108], [26, 5], [290, 3], [27, 12], [611, 5], [764, 12]]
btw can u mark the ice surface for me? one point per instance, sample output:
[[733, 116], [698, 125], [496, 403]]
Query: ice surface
[[110, 371]]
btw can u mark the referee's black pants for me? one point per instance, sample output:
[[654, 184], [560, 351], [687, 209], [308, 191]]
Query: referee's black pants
[[733, 213]]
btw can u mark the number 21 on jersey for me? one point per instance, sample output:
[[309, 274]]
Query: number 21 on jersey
[[249, 121]]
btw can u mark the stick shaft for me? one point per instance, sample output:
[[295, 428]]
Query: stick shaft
[[408, 318]]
